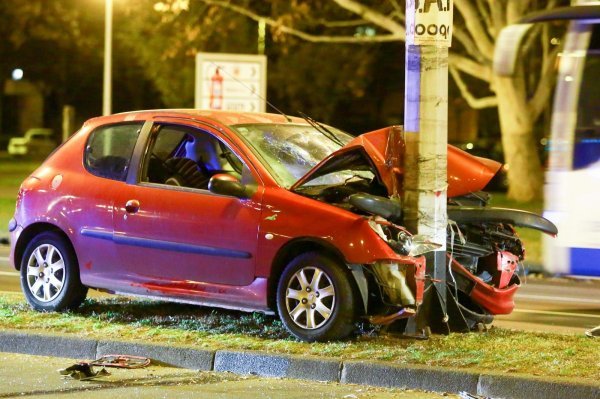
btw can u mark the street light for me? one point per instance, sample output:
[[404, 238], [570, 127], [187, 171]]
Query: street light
[[107, 87]]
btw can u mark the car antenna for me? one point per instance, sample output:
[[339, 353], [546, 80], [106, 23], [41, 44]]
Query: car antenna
[[287, 118]]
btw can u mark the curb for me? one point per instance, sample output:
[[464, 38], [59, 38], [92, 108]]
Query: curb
[[307, 368]]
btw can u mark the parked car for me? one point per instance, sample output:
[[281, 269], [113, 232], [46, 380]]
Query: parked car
[[36, 142], [250, 211]]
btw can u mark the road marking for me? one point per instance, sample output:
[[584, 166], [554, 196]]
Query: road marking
[[3, 258], [549, 312], [9, 274], [550, 298]]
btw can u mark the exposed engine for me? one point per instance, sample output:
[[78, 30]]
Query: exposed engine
[[474, 246]]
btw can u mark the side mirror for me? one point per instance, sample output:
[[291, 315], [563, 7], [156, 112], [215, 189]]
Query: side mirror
[[225, 184]]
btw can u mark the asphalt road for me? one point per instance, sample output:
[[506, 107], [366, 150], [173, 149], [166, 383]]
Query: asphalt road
[[542, 304], [37, 377]]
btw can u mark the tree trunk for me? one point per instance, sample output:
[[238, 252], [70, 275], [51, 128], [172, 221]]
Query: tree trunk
[[525, 174]]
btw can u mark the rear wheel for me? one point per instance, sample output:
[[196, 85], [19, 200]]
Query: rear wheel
[[315, 298], [50, 274]]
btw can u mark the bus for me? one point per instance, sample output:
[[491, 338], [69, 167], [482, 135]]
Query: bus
[[572, 188]]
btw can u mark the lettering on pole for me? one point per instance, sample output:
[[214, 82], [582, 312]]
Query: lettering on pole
[[429, 22]]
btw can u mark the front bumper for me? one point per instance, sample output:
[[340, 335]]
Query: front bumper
[[494, 300]]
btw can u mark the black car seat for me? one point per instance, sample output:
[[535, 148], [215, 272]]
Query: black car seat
[[186, 173]]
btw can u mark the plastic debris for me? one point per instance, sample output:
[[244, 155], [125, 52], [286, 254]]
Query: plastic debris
[[83, 371], [467, 395], [593, 333]]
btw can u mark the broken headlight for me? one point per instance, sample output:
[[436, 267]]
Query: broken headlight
[[400, 239]]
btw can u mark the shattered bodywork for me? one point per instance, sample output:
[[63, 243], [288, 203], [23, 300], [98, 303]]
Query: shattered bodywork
[[484, 250]]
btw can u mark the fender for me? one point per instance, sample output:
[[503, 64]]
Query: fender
[[515, 217]]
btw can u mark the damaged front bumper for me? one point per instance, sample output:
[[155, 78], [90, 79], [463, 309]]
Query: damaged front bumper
[[495, 300]]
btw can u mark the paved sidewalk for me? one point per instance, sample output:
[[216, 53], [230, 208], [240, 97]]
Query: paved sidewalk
[[37, 376], [307, 368]]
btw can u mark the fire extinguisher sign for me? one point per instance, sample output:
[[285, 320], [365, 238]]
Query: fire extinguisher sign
[[429, 22], [231, 82]]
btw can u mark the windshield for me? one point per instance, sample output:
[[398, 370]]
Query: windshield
[[290, 151]]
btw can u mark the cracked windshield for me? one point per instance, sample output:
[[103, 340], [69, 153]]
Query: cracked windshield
[[290, 151]]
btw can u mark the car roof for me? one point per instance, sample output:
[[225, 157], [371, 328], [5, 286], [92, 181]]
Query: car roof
[[227, 118]]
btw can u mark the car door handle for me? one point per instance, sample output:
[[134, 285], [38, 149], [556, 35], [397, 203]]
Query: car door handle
[[132, 206]]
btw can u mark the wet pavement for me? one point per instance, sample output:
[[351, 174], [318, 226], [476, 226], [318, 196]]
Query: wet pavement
[[37, 376]]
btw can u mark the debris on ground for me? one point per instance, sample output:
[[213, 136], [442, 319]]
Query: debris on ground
[[467, 395], [593, 333], [122, 361], [83, 371]]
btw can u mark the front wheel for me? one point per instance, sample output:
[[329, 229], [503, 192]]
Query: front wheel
[[50, 274], [315, 298]]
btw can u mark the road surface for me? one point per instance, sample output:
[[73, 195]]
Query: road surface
[[542, 304]]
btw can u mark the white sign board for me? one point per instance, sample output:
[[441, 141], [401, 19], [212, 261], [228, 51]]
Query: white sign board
[[429, 22], [231, 82]]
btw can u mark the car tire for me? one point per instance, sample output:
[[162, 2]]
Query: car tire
[[315, 298], [50, 274]]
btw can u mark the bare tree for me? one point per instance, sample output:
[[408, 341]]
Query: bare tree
[[520, 99]]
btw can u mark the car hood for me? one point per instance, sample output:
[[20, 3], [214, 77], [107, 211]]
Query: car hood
[[383, 150]]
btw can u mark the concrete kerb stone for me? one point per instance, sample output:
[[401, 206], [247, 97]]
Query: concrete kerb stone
[[179, 356], [270, 365], [530, 387], [47, 345], [288, 366], [413, 377]]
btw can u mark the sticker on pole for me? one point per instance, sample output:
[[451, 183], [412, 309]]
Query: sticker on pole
[[429, 22]]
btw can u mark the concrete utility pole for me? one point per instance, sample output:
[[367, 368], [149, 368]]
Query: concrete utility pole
[[428, 36]]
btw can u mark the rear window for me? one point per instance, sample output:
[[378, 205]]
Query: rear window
[[109, 149]]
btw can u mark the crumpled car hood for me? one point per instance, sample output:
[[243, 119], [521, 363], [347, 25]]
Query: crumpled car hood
[[384, 150]]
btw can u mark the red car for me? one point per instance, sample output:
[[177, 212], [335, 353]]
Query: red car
[[257, 212]]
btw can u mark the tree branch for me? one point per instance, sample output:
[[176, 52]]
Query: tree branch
[[486, 17], [475, 103], [301, 34], [341, 24], [515, 9], [375, 17], [470, 67], [498, 16], [475, 28], [468, 44], [539, 101]]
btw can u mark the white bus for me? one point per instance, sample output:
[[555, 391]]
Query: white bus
[[572, 190]]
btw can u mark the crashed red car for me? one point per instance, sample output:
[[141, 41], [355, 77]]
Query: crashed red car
[[257, 212]]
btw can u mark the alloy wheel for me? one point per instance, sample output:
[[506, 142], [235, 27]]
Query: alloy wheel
[[45, 273], [310, 297]]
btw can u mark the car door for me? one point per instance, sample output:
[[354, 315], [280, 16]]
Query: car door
[[90, 195], [171, 231]]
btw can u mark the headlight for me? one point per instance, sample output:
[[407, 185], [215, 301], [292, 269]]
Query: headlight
[[421, 245], [401, 241]]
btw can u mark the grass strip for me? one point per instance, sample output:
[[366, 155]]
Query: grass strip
[[121, 318]]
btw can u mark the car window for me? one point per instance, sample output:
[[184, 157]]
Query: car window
[[290, 151], [109, 148], [186, 157]]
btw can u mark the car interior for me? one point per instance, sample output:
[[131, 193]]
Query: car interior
[[188, 158]]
